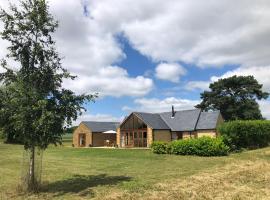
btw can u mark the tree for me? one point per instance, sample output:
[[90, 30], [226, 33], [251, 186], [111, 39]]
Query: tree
[[235, 97], [35, 108]]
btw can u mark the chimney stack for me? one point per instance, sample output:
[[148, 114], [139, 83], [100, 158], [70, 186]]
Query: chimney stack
[[173, 112]]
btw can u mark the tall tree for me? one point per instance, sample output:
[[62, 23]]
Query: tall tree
[[235, 97], [35, 108]]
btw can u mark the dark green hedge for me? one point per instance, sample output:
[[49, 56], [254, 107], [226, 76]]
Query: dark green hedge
[[204, 146], [246, 134]]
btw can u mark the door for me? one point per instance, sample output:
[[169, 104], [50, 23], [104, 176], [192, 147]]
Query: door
[[82, 139]]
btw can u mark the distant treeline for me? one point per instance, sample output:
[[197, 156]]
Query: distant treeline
[[71, 129], [12, 139]]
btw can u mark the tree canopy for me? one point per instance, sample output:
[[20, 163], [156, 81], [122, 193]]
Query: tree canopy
[[34, 109], [235, 97]]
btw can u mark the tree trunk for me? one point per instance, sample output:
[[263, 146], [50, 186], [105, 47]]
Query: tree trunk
[[31, 180]]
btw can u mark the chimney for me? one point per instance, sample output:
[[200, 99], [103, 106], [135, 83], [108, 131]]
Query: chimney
[[173, 112]]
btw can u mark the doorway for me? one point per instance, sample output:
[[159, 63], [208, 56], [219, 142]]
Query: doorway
[[82, 140], [136, 138]]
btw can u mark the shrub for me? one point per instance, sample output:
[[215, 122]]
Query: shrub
[[204, 146], [246, 134], [159, 147]]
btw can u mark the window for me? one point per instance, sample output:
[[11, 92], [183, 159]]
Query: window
[[144, 135], [126, 138]]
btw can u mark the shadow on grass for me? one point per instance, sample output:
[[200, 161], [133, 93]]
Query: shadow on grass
[[82, 185]]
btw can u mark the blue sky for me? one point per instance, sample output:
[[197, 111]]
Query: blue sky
[[147, 55]]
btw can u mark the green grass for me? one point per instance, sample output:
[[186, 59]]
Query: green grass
[[74, 173], [67, 139]]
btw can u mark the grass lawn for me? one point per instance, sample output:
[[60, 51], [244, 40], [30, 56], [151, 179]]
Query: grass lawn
[[72, 173]]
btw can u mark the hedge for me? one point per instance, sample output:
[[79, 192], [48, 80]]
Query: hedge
[[159, 147], [204, 146], [246, 134]]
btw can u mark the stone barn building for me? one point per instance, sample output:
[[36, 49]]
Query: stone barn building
[[95, 134]]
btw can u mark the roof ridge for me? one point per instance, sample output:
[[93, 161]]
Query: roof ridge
[[181, 110], [99, 122], [164, 121], [196, 124], [146, 113]]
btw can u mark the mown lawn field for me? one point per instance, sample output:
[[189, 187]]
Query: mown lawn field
[[73, 173]]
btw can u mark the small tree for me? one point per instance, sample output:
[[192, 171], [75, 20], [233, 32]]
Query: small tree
[[235, 97], [35, 109]]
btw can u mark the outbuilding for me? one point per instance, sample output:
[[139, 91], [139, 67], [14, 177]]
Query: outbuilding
[[95, 134]]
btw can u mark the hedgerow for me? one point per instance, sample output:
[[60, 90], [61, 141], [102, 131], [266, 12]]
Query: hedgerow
[[246, 134], [204, 146]]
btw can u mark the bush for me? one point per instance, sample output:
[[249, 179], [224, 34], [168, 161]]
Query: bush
[[246, 134], [159, 147], [204, 146]]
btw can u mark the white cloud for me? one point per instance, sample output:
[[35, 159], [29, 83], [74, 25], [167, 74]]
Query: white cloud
[[201, 85], [161, 105], [265, 108], [170, 72], [96, 117], [90, 50], [113, 81], [205, 33]]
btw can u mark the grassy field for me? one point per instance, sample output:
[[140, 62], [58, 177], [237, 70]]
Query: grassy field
[[72, 173]]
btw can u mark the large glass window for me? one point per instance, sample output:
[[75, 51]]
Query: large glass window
[[135, 132], [133, 123]]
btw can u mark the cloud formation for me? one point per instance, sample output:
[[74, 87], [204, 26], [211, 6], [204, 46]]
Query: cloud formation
[[97, 117], [161, 105], [265, 108], [170, 72], [90, 52], [205, 33]]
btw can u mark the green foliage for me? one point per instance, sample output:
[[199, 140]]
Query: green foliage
[[235, 97], [34, 108], [246, 134], [159, 147], [71, 129], [1, 134], [204, 146]]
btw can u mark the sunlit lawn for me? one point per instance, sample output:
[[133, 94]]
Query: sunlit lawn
[[73, 173]]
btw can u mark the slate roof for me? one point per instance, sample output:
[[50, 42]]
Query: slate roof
[[101, 126], [153, 119], [208, 120], [185, 120]]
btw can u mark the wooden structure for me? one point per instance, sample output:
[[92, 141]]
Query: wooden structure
[[133, 132]]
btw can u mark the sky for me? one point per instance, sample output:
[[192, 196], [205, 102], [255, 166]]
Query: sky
[[147, 55]]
